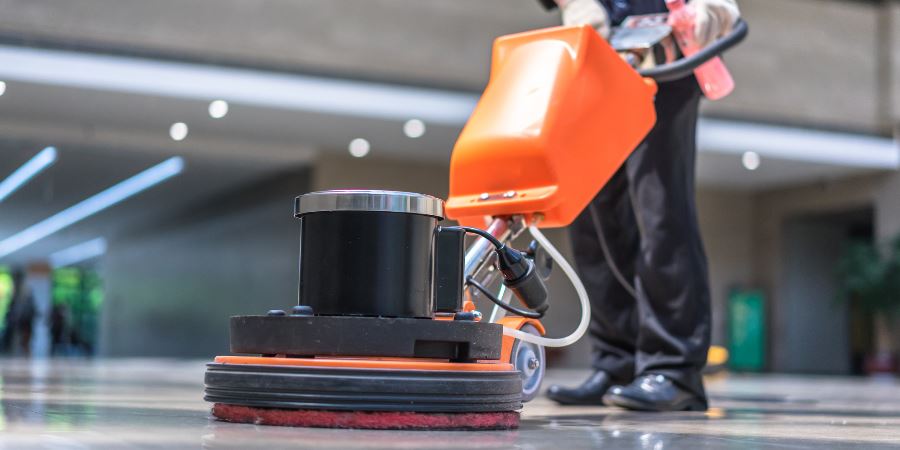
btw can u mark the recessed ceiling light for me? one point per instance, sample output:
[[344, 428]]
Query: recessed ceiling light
[[218, 109], [359, 147], [750, 160], [2, 87], [414, 128], [178, 131]]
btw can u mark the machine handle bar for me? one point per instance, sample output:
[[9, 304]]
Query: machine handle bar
[[685, 66]]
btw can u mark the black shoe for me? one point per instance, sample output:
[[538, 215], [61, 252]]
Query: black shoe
[[589, 393], [654, 393]]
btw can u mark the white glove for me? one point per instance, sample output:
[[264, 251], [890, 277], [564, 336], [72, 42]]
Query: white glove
[[585, 12], [714, 19]]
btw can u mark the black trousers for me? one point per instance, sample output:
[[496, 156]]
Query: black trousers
[[647, 216]]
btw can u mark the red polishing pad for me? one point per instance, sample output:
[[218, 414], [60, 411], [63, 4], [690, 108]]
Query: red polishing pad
[[372, 420]]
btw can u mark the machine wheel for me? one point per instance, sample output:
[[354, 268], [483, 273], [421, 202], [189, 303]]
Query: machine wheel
[[529, 360]]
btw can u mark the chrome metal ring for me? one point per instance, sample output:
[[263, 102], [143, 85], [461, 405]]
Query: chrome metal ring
[[369, 200]]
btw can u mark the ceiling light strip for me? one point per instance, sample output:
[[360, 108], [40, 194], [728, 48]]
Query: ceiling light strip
[[251, 87], [44, 159], [798, 144], [78, 253], [92, 205], [385, 101]]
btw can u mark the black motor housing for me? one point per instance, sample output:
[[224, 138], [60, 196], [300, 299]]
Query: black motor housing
[[375, 268], [368, 253]]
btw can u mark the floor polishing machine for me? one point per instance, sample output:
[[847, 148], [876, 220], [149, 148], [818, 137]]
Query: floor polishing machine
[[386, 334]]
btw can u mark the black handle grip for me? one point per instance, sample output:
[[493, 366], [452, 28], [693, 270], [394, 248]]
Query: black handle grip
[[520, 276], [685, 66], [531, 290]]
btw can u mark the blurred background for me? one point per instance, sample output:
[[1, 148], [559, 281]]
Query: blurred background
[[150, 153]]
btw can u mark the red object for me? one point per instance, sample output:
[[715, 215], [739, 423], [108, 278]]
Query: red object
[[378, 420], [713, 77]]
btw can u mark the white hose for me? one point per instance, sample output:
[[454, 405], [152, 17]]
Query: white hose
[[579, 288]]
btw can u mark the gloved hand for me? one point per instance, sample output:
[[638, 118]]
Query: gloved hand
[[585, 12], [714, 19]]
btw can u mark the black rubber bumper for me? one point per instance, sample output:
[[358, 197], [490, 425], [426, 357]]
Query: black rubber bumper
[[351, 389], [366, 336]]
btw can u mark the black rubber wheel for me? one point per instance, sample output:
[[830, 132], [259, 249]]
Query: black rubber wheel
[[352, 389], [529, 360]]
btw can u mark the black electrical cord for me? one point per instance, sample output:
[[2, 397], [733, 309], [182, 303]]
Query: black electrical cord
[[685, 66], [490, 237], [515, 268], [610, 261], [487, 293]]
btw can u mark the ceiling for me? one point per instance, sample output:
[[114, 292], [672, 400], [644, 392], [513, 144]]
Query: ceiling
[[80, 172], [106, 134], [726, 171], [786, 71], [104, 137], [287, 133]]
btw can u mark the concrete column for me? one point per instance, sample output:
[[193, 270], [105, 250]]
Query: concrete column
[[887, 208], [726, 223]]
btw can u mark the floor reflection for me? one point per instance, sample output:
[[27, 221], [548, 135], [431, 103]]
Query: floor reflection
[[158, 404]]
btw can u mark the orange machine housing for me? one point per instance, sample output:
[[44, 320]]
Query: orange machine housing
[[560, 114]]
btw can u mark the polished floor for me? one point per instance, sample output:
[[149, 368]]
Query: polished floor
[[157, 404]]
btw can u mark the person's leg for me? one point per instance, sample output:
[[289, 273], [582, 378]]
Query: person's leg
[[614, 319], [25, 343], [613, 329], [673, 291]]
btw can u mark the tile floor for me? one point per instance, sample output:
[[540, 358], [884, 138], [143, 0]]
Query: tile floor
[[153, 403]]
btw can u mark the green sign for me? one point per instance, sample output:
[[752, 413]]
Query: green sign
[[6, 293], [747, 330]]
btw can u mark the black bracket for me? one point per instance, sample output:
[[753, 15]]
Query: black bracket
[[300, 336]]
